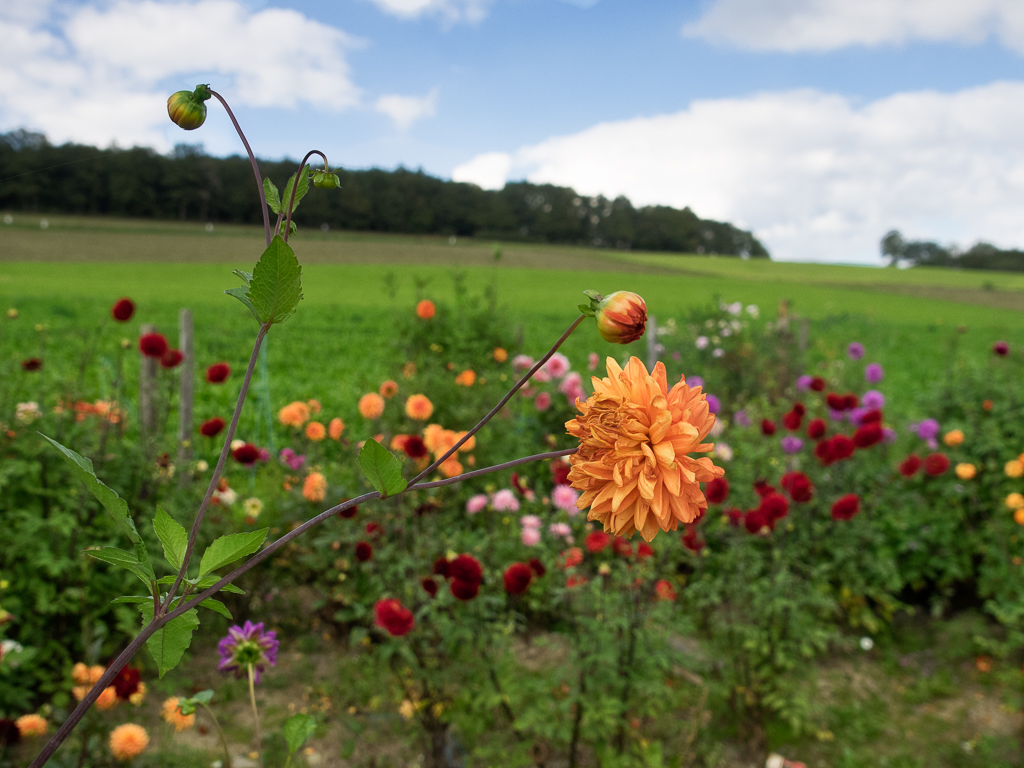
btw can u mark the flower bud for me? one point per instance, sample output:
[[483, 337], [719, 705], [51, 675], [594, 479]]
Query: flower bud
[[621, 317], [186, 108], [325, 180]]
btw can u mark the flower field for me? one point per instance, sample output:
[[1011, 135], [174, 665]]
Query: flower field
[[840, 585]]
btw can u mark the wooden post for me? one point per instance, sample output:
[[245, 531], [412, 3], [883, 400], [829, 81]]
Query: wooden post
[[148, 392], [186, 394], [652, 342]]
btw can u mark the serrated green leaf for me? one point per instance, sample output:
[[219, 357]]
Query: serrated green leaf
[[114, 504], [297, 730], [126, 560], [276, 283], [229, 548], [172, 536], [300, 192], [242, 294], [381, 468], [245, 277], [273, 199], [218, 607], [171, 641], [188, 706]]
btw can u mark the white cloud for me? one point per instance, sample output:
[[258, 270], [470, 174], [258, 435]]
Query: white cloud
[[406, 110], [823, 25], [450, 10], [814, 175], [102, 73]]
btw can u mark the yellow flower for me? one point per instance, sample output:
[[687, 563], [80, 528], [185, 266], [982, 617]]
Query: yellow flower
[[953, 438], [419, 407], [1015, 501], [171, 712], [371, 405], [127, 741], [632, 466], [314, 487], [252, 507], [335, 428], [139, 696], [315, 431], [1014, 468], [966, 471], [31, 725]]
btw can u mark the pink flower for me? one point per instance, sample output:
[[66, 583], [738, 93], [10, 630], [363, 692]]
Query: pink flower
[[575, 394], [543, 401], [522, 363], [564, 498], [572, 382], [560, 529], [593, 361], [476, 503], [530, 536], [529, 521], [505, 501], [557, 365], [541, 377]]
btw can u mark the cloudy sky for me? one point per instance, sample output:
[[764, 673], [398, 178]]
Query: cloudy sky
[[819, 124]]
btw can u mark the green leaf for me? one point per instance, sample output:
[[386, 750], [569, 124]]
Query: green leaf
[[218, 607], [300, 192], [381, 468], [171, 641], [229, 548], [273, 199], [114, 504], [587, 310], [245, 277], [297, 730], [133, 599], [276, 283], [188, 706], [242, 294], [126, 560], [173, 537], [203, 583]]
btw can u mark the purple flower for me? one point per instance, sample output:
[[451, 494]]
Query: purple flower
[[792, 444], [741, 418], [677, 356], [694, 381], [873, 399], [804, 382], [873, 373], [857, 414], [836, 415], [291, 459], [889, 434], [247, 646], [927, 429], [855, 351], [714, 404], [264, 455]]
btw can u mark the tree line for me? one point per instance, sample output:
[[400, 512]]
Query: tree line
[[926, 253], [188, 184]]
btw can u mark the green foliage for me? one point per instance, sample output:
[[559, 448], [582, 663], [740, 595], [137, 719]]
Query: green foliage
[[297, 730], [382, 469], [169, 643], [173, 537], [229, 548], [276, 286]]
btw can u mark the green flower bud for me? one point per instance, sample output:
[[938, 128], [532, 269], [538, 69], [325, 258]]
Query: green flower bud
[[186, 108], [324, 180]]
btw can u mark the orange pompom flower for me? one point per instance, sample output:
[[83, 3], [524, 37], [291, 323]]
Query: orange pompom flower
[[108, 699], [451, 467], [95, 673], [419, 407], [294, 414], [31, 725], [314, 405], [632, 467], [467, 446], [316, 431], [466, 379], [127, 741], [425, 309], [500, 354], [621, 317], [388, 389], [335, 428], [314, 487], [171, 712], [371, 405], [953, 438], [80, 673]]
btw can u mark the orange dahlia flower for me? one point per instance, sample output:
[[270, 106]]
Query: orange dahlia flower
[[466, 379], [294, 414], [450, 468], [171, 712], [316, 431], [419, 407], [500, 354], [127, 741], [80, 673], [31, 725], [632, 467], [371, 405], [425, 309], [314, 487], [335, 428], [107, 699], [388, 389]]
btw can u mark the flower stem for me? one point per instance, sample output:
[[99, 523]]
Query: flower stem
[[295, 186], [220, 733], [255, 713]]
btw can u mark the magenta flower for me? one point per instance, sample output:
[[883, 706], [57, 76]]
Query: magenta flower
[[855, 351], [694, 381], [741, 418], [873, 399], [792, 444], [804, 382], [247, 646], [873, 373], [714, 404]]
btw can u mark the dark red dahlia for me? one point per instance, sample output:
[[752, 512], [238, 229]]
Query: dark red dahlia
[[846, 507], [756, 519], [123, 310], [835, 401], [798, 486], [868, 434], [414, 447], [1001, 348], [374, 529], [936, 464], [816, 429], [466, 568], [218, 373], [909, 466], [517, 578], [622, 547], [537, 567], [153, 344], [692, 541], [818, 384], [643, 551], [735, 516], [717, 490], [792, 420], [211, 427], [850, 401], [171, 358], [429, 586], [393, 617], [871, 417], [442, 567], [127, 682], [32, 364], [597, 541], [349, 513], [799, 409], [364, 551], [767, 427], [842, 447], [247, 454], [464, 590], [762, 488], [560, 473], [774, 506]]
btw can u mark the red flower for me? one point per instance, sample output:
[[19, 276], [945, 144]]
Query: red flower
[[364, 551], [762, 489], [127, 682], [246, 454], [349, 513], [846, 507], [664, 590], [936, 464], [575, 581], [153, 344], [798, 485], [171, 358], [850, 401], [442, 567], [414, 447], [818, 384], [123, 310], [537, 567], [429, 586], [573, 557], [691, 541], [560, 473], [218, 373], [32, 364], [823, 451], [868, 435], [464, 590], [1001, 348], [871, 417], [211, 427], [735, 516], [643, 551], [757, 519], [774, 506], [799, 408], [374, 529], [792, 420], [597, 541], [393, 617], [517, 578], [466, 568], [717, 490], [767, 427], [622, 547], [816, 429], [835, 401], [909, 466]]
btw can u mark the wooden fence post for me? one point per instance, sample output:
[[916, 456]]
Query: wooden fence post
[[186, 394], [148, 393]]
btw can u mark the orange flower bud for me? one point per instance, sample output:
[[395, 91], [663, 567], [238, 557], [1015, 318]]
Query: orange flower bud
[[621, 317], [186, 108]]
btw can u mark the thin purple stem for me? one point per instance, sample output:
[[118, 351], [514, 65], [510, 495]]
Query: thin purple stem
[[295, 186], [501, 403], [255, 165]]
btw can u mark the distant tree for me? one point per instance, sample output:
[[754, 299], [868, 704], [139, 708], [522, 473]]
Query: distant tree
[[925, 253]]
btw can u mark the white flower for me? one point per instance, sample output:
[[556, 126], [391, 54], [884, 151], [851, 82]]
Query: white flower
[[702, 342], [866, 643], [202, 466], [727, 332], [236, 443], [718, 352], [735, 308], [252, 507], [722, 451], [717, 428], [227, 497], [26, 413], [753, 310]]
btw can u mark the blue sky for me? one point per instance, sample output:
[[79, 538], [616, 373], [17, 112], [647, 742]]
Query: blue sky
[[820, 124]]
